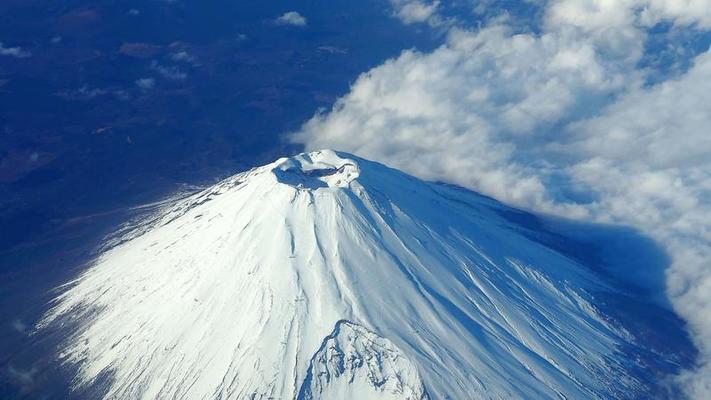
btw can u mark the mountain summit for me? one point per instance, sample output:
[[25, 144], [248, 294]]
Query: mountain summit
[[326, 276]]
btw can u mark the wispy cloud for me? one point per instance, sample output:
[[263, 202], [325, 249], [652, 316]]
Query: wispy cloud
[[332, 50], [145, 84], [24, 378], [83, 93], [17, 324], [140, 49], [169, 72], [182, 56], [17, 52]]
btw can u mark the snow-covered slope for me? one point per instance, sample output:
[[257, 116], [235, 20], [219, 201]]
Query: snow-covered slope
[[325, 276]]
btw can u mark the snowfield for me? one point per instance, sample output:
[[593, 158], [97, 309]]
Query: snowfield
[[326, 276]]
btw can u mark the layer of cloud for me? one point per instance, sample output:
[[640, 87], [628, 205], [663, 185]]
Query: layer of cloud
[[648, 159], [460, 110], [292, 18], [17, 52], [560, 121]]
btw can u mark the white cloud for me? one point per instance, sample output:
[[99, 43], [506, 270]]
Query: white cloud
[[666, 125], [682, 12], [412, 11], [457, 114], [16, 52], [182, 56], [292, 18], [83, 93], [169, 72], [146, 84], [648, 157], [559, 122]]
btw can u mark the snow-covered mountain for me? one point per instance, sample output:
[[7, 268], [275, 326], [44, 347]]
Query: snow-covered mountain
[[326, 276]]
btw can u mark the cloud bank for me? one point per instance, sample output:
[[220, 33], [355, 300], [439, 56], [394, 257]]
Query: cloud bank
[[560, 121]]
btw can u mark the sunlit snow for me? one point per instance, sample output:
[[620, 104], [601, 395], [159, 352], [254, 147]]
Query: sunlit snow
[[328, 276]]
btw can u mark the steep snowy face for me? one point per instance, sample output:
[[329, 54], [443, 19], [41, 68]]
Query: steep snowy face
[[325, 276]]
